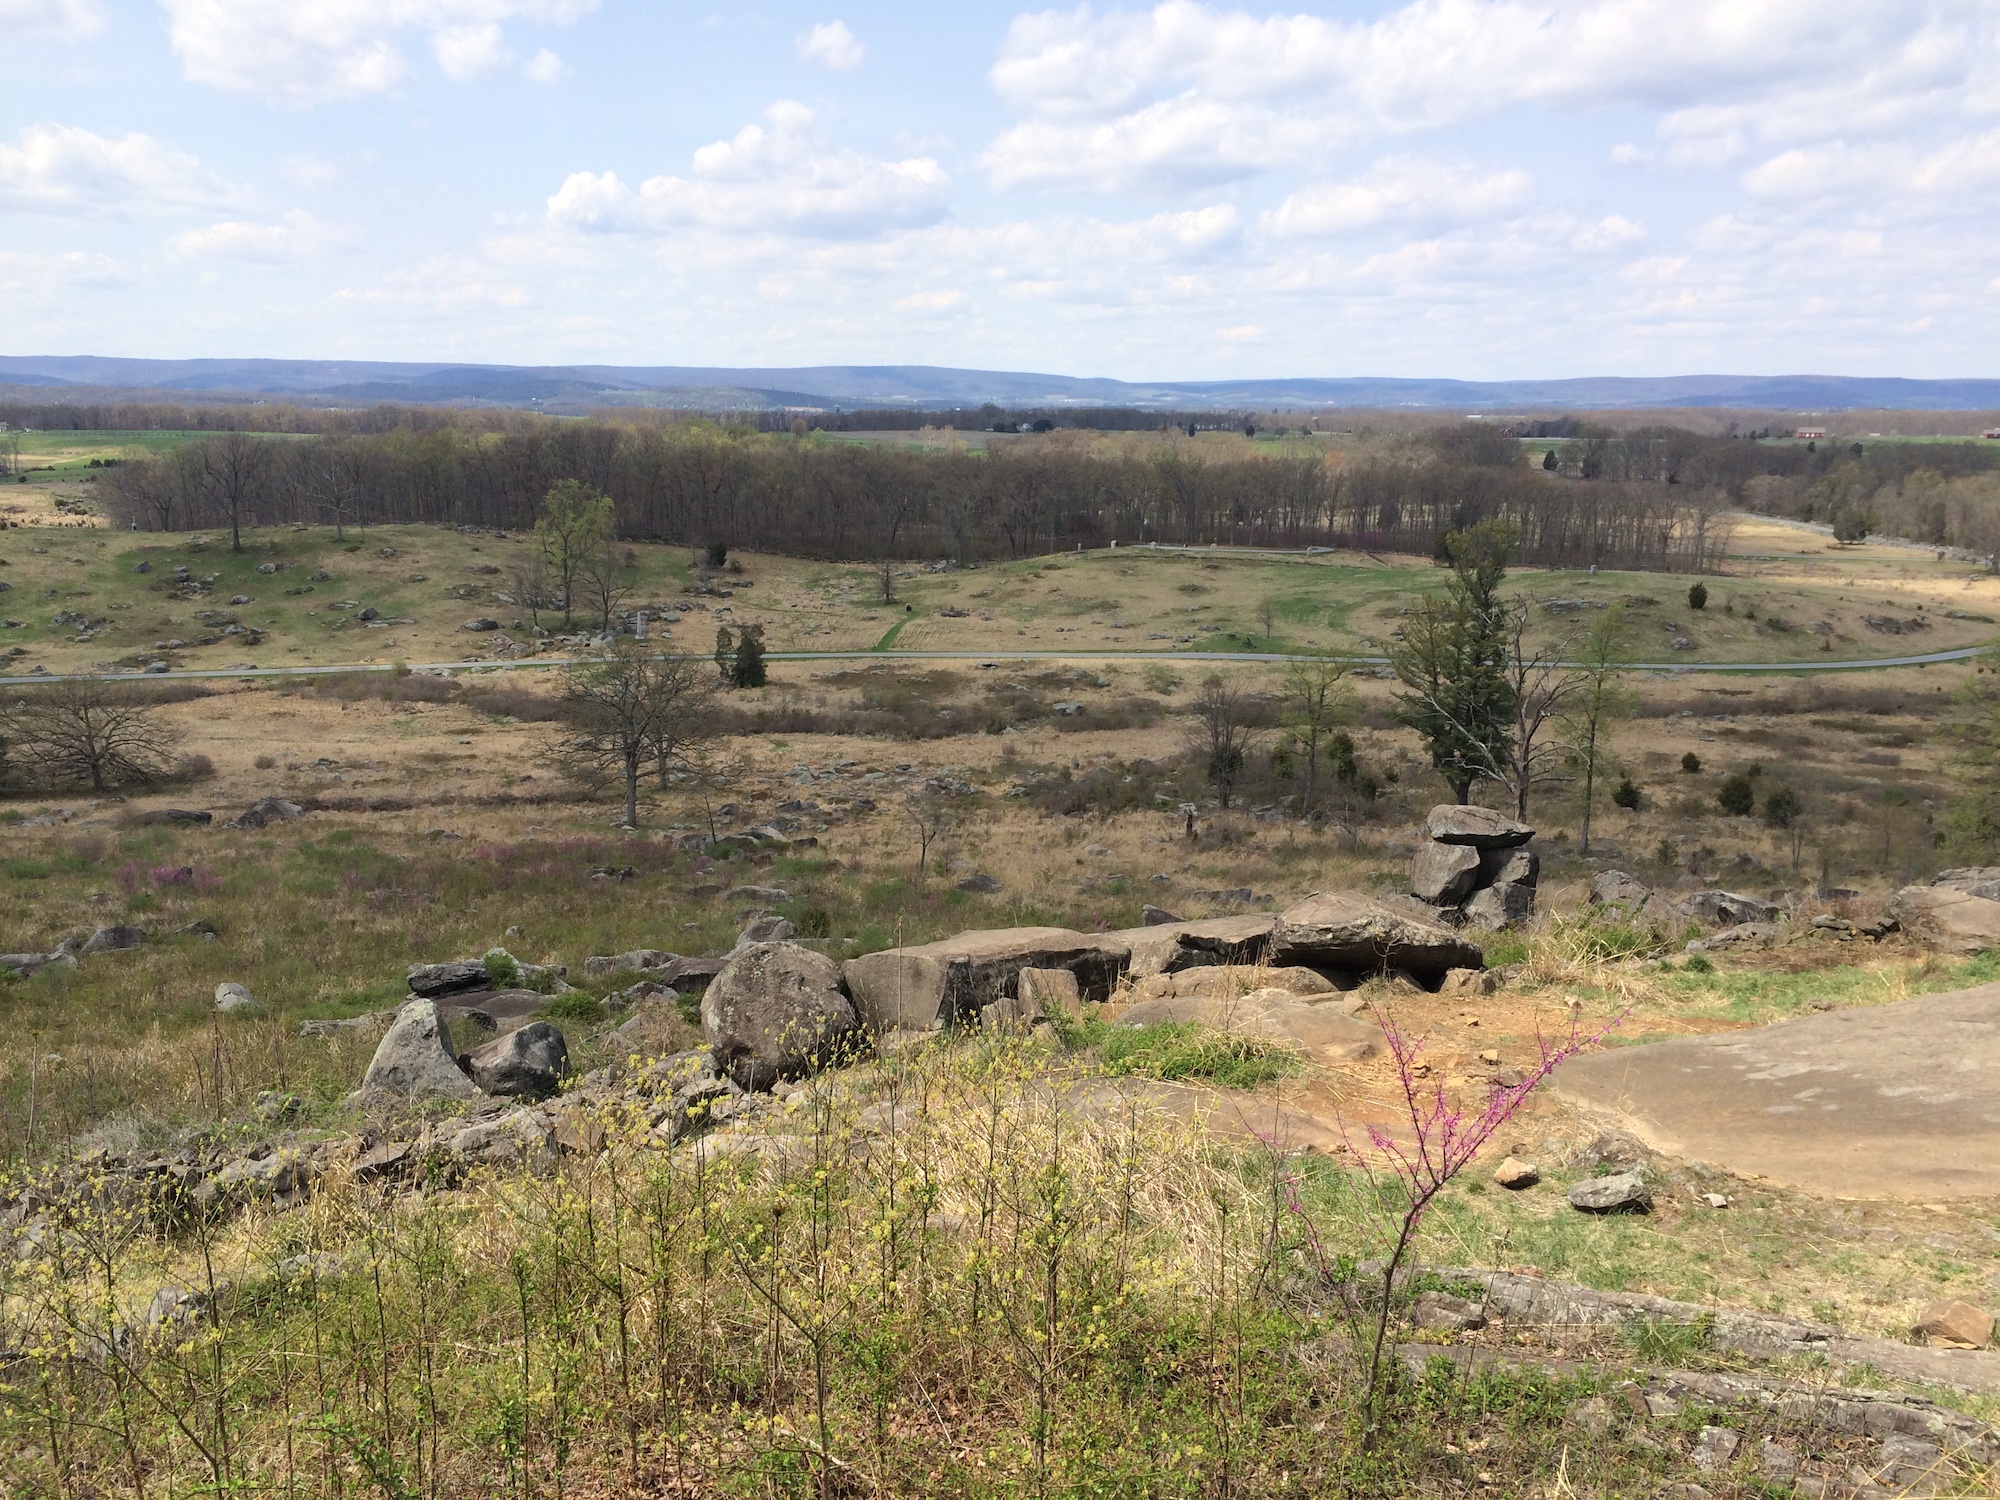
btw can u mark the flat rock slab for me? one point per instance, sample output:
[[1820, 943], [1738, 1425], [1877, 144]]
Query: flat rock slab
[[1889, 1101]]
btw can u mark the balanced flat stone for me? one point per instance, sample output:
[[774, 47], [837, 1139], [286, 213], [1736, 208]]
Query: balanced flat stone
[[1343, 930], [1888, 1101]]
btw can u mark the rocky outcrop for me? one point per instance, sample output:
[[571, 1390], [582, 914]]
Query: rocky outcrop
[[1169, 946], [641, 959], [1225, 981], [266, 811], [1474, 869], [948, 982], [1979, 880], [113, 940], [1726, 909], [416, 1060], [528, 1063], [1342, 930], [777, 1010], [1948, 918]]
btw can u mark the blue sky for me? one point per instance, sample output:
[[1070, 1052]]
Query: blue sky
[[1473, 188]]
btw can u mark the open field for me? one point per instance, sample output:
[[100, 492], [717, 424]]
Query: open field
[[1784, 596], [439, 823]]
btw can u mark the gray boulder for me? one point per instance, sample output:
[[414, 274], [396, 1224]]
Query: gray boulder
[[528, 1063], [1726, 909], [25, 964], [637, 958], [434, 981], [268, 810], [1169, 947], [776, 1011], [1499, 907], [764, 930], [1153, 916], [1948, 918], [1623, 1192], [1475, 827], [1444, 874], [521, 1137], [416, 1061], [1342, 930], [231, 999], [1510, 867], [952, 980], [113, 939], [1616, 888]]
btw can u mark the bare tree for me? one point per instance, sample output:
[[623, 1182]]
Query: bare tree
[[231, 472], [886, 578], [1318, 697], [1221, 735], [599, 581], [530, 586], [86, 731], [631, 709], [933, 816], [330, 479]]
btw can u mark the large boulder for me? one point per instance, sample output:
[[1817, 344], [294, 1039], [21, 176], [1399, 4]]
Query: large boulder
[[1979, 880], [1444, 874], [776, 1011], [268, 810], [433, 981], [113, 939], [951, 981], [1726, 909], [1343, 930], [1616, 888], [617, 963], [1498, 907], [416, 1060], [1475, 827], [1947, 918], [1224, 982], [528, 1063], [1170, 946], [1510, 867], [521, 1137]]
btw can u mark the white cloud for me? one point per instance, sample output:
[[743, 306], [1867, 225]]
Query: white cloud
[[64, 169], [779, 177], [305, 52], [1188, 92], [296, 237], [832, 45], [544, 67], [938, 301], [45, 275], [67, 19], [1402, 190]]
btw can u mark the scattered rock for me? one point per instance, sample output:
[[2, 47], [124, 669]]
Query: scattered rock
[[528, 1063], [482, 624], [521, 1137], [764, 930], [1153, 916], [1623, 1192], [1725, 909], [1743, 935], [1469, 982], [269, 810], [637, 958], [981, 885], [1344, 930], [1912, 1465], [1321, 1031], [1447, 1313], [767, 895], [231, 998], [1954, 1325], [1498, 907], [1714, 1448], [434, 981], [113, 940], [416, 1061], [1515, 1173], [1982, 880], [776, 1011], [1475, 827]]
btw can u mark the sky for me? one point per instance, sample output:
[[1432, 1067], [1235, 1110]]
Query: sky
[[1482, 189]]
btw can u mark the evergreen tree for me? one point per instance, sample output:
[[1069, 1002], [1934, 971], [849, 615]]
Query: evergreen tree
[[1453, 659]]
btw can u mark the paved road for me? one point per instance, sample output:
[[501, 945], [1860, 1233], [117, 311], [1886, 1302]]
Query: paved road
[[1930, 658]]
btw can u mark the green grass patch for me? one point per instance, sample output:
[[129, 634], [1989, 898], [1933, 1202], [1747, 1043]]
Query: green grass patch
[[1178, 1050]]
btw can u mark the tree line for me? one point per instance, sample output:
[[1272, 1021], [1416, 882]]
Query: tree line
[[697, 482]]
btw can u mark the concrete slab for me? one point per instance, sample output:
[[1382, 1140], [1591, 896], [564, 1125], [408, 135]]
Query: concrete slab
[[1890, 1101]]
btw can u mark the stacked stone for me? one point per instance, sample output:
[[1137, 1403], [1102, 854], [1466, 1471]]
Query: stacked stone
[[1474, 868]]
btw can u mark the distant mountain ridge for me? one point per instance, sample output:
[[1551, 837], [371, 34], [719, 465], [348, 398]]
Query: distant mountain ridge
[[824, 387]]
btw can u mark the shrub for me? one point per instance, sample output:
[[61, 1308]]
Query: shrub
[[1691, 763], [717, 554], [195, 767], [265, 762], [1783, 807], [577, 1007], [1698, 596], [1737, 796], [1626, 795]]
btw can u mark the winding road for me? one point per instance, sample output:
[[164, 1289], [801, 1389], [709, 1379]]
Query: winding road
[[1678, 668]]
